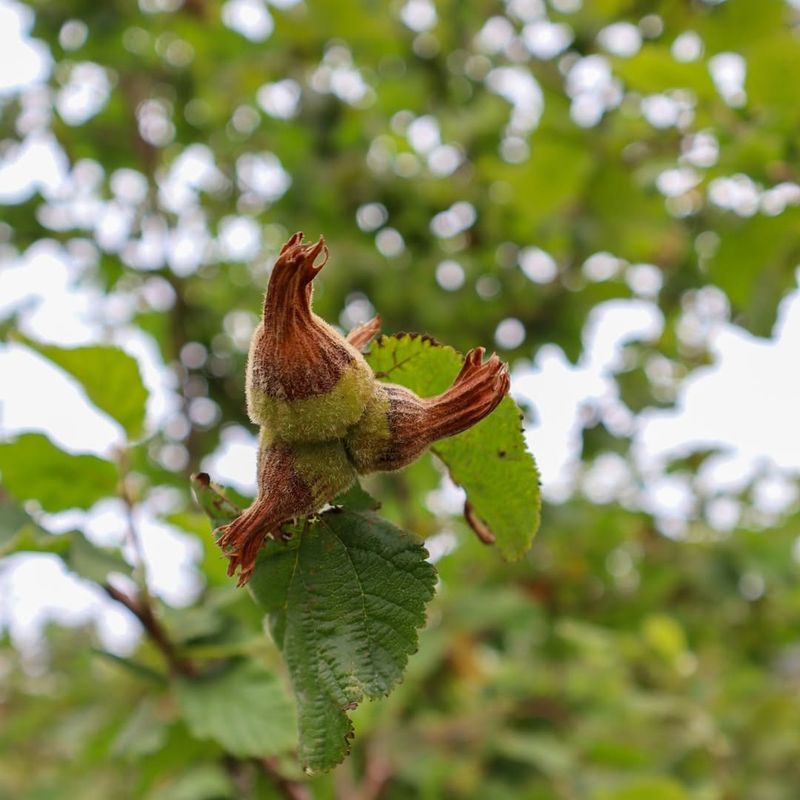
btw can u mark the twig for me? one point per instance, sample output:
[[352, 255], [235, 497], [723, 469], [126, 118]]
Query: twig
[[291, 790], [143, 607], [377, 774], [144, 613], [132, 535]]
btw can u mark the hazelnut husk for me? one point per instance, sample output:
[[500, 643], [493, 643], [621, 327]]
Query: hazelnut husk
[[324, 417], [293, 480], [398, 426], [305, 381]]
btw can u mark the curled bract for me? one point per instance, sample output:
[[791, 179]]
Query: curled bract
[[305, 381], [293, 480], [398, 426], [323, 414]]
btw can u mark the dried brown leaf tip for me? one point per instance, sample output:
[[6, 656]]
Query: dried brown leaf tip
[[324, 416]]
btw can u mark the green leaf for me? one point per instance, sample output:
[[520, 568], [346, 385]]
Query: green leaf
[[211, 498], [489, 460], [654, 69], [755, 266], [243, 708], [779, 101], [12, 520], [546, 183], [109, 376], [196, 523], [33, 468], [418, 362], [542, 750], [499, 475], [655, 788], [143, 733], [19, 533], [92, 562], [133, 667], [356, 498], [738, 26], [270, 582], [355, 595], [202, 782]]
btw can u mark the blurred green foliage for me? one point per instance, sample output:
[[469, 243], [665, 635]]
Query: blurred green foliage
[[612, 663]]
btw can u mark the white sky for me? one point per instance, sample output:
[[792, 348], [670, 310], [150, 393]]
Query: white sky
[[745, 404], [23, 61]]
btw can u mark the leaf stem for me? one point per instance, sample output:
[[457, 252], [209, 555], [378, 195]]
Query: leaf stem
[[481, 529]]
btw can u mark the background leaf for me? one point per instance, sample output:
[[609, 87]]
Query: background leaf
[[109, 376], [20, 534], [243, 707], [204, 782], [32, 467], [12, 520], [645, 789], [755, 265]]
